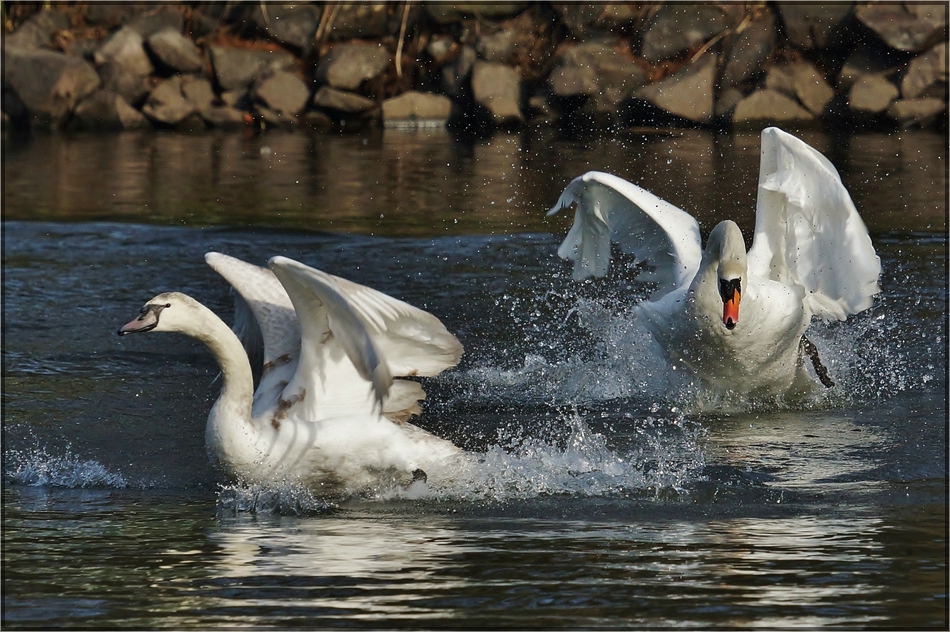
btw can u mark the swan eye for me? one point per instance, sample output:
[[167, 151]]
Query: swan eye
[[168, 304]]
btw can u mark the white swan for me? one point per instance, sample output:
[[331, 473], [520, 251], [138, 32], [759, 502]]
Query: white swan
[[811, 255], [326, 412]]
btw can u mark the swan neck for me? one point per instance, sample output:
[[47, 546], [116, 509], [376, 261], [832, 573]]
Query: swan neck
[[726, 249], [237, 392]]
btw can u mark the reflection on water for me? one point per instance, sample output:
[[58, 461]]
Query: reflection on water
[[594, 500], [427, 182]]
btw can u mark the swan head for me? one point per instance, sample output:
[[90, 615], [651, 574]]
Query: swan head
[[727, 250], [171, 311]]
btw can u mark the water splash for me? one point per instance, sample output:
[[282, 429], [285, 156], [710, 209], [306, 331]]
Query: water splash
[[37, 467]]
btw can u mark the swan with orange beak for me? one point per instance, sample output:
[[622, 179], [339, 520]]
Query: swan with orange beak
[[811, 256]]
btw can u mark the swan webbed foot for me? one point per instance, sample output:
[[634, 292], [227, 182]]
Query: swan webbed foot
[[809, 349]]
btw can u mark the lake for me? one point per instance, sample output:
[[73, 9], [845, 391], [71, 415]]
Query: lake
[[600, 500]]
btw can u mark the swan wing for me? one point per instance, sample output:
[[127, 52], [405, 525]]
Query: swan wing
[[265, 322], [612, 209], [413, 341], [328, 323], [808, 232]]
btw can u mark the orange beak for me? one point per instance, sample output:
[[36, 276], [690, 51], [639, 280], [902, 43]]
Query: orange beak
[[731, 294]]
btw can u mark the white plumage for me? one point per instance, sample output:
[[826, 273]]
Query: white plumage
[[811, 255], [327, 411]]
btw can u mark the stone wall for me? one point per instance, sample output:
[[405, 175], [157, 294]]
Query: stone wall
[[473, 66]]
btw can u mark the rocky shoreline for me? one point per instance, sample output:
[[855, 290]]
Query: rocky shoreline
[[474, 67]]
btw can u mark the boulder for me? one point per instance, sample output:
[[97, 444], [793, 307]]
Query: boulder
[[916, 112], [197, 91], [802, 81], [816, 26], [769, 106], [497, 88], [293, 24], [106, 110], [687, 93], [726, 102], [597, 69], [927, 75], [282, 92], [347, 66], [455, 76], [110, 15], [417, 108], [342, 101], [871, 94], [225, 117], [48, 84], [147, 23], [749, 49], [124, 65], [37, 30], [584, 20], [906, 27], [678, 27], [166, 103], [236, 68], [498, 46], [862, 61], [175, 51], [447, 13], [359, 20]]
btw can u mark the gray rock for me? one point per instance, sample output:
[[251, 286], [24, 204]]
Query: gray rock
[[447, 12], [440, 48], [916, 112], [871, 94], [47, 83], [498, 88], [819, 26], [769, 106], [347, 66], [238, 68], [342, 101], [36, 31], [927, 75], [860, 62], [294, 24], [124, 64], [236, 98], [906, 27], [456, 75], [802, 81], [417, 108], [596, 69], [109, 15], [175, 51], [749, 49], [357, 20], [726, 102], [225, 117], [198, 92], [687, 93], [678, 27], [166, 103], [106, 110], [147, 23], [498, 46], [587, 19], [282, 92]]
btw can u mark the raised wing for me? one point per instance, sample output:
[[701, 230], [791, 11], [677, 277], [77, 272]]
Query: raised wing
[[264, 320], [413, 341], [327, 324], [612, 209], [808, 232]]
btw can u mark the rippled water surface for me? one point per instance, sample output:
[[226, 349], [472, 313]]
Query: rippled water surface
[[599, 500]]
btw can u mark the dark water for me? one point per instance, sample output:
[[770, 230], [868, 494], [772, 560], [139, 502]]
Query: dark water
[[601, 500]]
